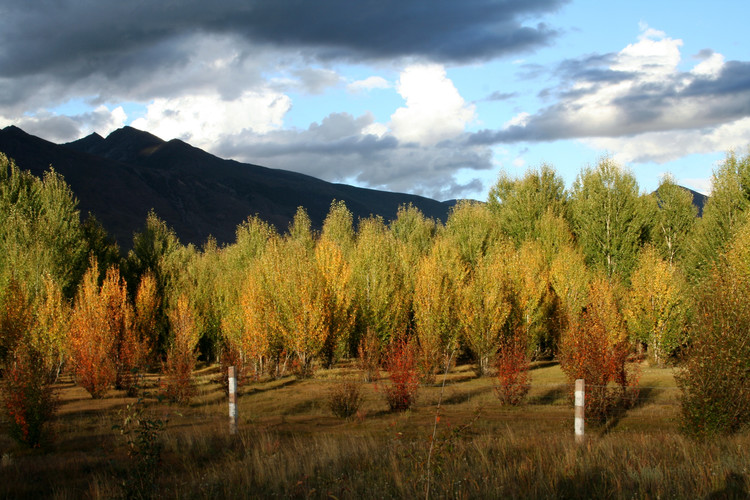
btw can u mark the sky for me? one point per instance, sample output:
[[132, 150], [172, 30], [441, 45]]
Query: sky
[[430, 97]]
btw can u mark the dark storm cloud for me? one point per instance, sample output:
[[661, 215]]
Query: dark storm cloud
[[72, 38], [679, 101]]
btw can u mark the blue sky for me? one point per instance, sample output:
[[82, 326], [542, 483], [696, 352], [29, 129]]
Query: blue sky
[[428, 97]]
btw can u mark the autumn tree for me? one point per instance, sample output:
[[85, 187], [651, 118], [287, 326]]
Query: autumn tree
[[298, 313], [91, 339], [49, 336], [181, 355], [338, 299], [40, 230], [439, 277], [473, 230], [657, 307], [715, 380], [595, 348], [536, 305], [486, 305], [382, 295], [338, 227]]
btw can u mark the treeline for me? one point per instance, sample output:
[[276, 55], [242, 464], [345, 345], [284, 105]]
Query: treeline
[[591, 276]]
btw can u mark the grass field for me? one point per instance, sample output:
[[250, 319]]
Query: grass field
[[290, 445]]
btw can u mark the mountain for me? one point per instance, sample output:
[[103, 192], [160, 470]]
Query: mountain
[[699, 200], [121, 177]]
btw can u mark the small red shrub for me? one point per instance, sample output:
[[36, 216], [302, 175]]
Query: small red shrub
[[403, 374], [513, 381]]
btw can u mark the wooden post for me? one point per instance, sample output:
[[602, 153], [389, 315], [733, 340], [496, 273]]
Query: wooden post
[[232, 401], [580, 398]]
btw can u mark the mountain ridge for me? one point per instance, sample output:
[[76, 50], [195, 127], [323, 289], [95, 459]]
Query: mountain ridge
[[121, 177]]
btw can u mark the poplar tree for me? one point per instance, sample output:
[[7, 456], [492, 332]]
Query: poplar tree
[[725, 211], [519, 204], [673, 220], [608, 217]]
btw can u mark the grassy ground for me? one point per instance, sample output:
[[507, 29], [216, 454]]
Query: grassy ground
[[290, 445]]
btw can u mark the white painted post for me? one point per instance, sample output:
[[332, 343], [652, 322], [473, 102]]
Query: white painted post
[[580, 399], [232, 401]]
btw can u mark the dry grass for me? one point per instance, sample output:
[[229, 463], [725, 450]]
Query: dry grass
[[290, 445]]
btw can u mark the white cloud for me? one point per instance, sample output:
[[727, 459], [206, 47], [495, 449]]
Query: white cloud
[[369, 83], [670, 145], [203, 120], [434, 110]]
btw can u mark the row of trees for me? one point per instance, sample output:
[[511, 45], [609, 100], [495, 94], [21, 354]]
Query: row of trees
[[600, 269]]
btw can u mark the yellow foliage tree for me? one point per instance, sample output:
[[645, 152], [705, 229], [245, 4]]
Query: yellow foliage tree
[[439, 277], [486, 305], [657, 308]]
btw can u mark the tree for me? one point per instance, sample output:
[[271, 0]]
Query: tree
[[382, 295], [535, 302], [473, 230], [181, 354], [439, 276], [715, 380], [673, 220], [520, 204], [338, 299], [608, 217], [657, 308], [297, 293], [91, 338], [486, 305], [725, 211], [595, 348], [40, 230], [338, 227]]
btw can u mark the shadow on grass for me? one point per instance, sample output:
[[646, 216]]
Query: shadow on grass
[[550, 396], [465, 396]]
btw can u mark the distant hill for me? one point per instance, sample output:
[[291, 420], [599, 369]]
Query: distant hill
[[699, 200], [121, 177]]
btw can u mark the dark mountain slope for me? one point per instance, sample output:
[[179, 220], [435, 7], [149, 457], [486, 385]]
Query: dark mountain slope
[[123, 176]]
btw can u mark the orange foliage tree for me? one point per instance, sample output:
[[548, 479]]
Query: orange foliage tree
[[91, 338], [181, 353], [595, 348]]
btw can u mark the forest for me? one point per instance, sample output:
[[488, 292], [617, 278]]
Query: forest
[[600, 278]]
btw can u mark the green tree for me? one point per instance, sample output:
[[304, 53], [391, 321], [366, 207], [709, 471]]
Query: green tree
[[725, 211], [382, 295], [608, 217], [473, 230], [673, 220], [520, 204]]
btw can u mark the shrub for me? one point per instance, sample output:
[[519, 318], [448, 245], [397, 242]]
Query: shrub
[[715, 380], [28, 398], [345, 398], [402, 372], [513, 381]]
